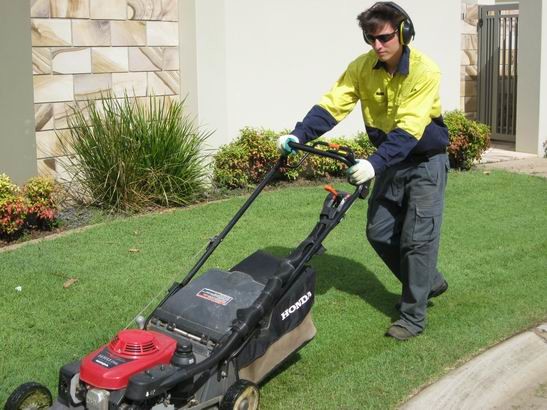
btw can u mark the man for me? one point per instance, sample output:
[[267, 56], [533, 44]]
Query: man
[[398, 88]]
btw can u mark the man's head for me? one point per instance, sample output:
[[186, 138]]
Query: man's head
[[386, 27]]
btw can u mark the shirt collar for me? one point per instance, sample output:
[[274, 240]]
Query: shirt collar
[[402, 67]]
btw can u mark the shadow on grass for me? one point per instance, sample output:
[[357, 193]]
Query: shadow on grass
[[346, 275]]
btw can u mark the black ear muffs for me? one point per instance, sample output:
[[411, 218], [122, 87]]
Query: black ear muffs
[[406, 31], [406, 28]]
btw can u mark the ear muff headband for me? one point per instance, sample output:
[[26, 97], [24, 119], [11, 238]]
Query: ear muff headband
[[406, 28]]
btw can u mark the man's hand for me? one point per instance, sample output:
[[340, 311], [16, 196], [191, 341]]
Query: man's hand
[[283, 144], [361, 172]]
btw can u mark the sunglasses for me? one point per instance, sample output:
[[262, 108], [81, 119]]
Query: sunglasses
[[382, 38]]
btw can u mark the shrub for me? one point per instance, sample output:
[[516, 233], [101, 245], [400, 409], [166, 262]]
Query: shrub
[[321, 167], [42, 209], [468, 139], [246, 160], [13, 214], [39, 189], [8, 190], [128, 155], [13, 209], [32, 207]]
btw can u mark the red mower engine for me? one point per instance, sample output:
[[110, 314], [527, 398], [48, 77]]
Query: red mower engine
[[130, 352]]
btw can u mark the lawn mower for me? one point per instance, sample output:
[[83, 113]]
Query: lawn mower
[[212, 340]]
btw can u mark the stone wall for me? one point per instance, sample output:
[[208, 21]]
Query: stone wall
[[82, 48], [469, 57]]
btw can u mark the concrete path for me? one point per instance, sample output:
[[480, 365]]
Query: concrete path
[[532, 166], [512, 374], [499, 157]]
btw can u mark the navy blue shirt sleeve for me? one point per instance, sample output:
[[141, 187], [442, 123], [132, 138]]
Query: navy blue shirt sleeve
[[394, 149], [316, 122]]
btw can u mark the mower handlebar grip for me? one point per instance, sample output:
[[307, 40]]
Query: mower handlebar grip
[[347, 158]]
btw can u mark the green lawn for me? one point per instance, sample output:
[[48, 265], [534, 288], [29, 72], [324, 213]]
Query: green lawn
[[493, 253]]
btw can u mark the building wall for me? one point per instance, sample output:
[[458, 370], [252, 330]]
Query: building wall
[[17, 143], [82, 48], [244, 63], [532, 85], [266, 63]]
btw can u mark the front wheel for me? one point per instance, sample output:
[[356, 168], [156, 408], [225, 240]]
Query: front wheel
[[242, 395], [29, 396]]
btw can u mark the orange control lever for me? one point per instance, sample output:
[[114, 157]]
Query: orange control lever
[[330, 189]]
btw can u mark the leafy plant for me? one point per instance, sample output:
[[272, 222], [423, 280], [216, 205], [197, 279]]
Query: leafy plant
[[8, 190], [13, 209], [468, 139], [42, 209], [125, 156], [13, 214], [32, 207], [248, 158], [320, 167], [39, 189]]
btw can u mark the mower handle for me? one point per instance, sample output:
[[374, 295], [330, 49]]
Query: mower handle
[[338, 152], [335, 151]]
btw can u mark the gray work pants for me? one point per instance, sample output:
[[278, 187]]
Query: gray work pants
[[403, 227]]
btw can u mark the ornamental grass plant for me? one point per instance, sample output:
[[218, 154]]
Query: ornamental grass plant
[[127, 155]]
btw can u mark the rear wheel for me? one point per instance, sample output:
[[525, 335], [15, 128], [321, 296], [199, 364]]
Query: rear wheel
[[29, 396], [242, 395]]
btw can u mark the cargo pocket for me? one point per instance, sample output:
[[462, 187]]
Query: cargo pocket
[[427, 224]]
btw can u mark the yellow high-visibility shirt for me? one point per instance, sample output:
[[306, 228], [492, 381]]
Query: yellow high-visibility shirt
[[401, 112]]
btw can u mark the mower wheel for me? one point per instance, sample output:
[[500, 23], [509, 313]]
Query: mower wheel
[[29, 396], [242, 395]]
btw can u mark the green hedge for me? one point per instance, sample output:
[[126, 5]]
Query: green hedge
[[246, 160], [468, 139]]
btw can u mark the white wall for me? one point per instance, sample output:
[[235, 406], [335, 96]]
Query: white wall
[[266, 63]]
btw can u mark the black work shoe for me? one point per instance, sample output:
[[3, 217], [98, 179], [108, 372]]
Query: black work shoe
[[399, 333], [438, 291], [433, 293]]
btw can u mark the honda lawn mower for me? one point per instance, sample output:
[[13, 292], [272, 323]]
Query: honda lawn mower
[[212, 340]]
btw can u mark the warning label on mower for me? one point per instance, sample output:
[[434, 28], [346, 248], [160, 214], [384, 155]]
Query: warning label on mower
[[214, 296], [107, 360]]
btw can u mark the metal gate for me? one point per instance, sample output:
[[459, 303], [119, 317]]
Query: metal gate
[[497, 69]]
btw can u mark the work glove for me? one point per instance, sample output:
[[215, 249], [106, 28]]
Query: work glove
[[283, 144], [361, 172]]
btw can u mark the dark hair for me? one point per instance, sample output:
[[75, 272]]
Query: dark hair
[[374, 18]]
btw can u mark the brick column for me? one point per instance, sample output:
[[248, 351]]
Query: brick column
[[469, 57]]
